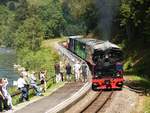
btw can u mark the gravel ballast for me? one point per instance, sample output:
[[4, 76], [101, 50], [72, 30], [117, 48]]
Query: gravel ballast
[[124, 101]]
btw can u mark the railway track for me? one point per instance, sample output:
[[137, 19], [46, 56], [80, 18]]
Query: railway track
[[98, 103], [92, 102]]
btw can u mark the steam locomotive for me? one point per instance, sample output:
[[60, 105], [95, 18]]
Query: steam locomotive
[[104, 59]]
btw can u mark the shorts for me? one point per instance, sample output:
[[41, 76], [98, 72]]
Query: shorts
[[42, 81]]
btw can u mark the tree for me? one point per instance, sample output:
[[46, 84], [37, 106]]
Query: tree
[[84, 11], [52, 18], [7, 19], [22, 11], [30, 34]]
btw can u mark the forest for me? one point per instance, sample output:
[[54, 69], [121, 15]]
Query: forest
[[24, 24]]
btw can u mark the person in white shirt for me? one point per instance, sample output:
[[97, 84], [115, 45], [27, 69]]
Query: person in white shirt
[[43, 80], [77, 70], [22, 87], [33, 84], [6, 94]]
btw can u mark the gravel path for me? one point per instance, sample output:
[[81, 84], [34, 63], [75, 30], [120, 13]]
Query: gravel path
[[52, 100]]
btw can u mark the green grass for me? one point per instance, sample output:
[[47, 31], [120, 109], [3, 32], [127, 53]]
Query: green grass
[[138, 81], [147, 104], [51, 42], [38, 2]]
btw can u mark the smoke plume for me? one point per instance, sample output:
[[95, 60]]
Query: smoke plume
[[107, 11]]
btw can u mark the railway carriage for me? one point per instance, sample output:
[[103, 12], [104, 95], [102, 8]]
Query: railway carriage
[[104, 59]]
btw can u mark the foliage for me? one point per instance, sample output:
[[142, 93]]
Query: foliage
[[135, 28], [43, 59], [52, 18], [83, 12], [135, 19], [29, 34], [6, 18]]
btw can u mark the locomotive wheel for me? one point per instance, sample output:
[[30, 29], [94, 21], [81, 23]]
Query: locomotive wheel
[[120, 88], [94, 88]]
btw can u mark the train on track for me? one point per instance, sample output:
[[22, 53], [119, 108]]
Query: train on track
[[104, 59]]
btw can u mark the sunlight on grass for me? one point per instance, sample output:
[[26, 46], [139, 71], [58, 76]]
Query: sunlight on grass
[[51, 42], [144, 83], [147, 104], [38, 2]]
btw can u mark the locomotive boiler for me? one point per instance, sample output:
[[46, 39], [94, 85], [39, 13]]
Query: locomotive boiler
[[104, 59]]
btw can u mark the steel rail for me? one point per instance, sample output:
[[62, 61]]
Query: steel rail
[[104, 102], [96, 101], [92, 102]]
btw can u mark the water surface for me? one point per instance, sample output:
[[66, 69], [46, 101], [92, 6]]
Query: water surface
[[7, 59]]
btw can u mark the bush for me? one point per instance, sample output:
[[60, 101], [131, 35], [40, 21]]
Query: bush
[[42, 59]]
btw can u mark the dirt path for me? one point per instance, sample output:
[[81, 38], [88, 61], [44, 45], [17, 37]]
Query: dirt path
[[52, 100]]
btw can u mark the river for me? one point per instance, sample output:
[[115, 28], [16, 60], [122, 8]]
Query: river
[[7, 59]]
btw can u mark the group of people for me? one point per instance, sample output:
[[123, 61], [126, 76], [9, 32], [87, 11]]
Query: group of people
[[5, 98], [79, 70], [28, 80]]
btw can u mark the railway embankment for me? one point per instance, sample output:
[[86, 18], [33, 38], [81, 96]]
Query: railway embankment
[[140, 86]]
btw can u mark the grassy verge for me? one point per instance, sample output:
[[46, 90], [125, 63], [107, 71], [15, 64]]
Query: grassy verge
[[147, 104], [141, 82], [51, 42]]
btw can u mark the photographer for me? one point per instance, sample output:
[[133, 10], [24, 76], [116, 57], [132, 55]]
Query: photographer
[[22, 87], [7, 98]]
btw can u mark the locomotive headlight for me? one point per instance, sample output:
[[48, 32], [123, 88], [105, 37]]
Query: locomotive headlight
[[118, 75], [119, 84], [96, 76]]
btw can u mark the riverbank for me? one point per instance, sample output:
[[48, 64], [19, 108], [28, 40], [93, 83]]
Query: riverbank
[[7, 59]]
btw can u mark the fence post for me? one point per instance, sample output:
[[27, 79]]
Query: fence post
[[53, 79]]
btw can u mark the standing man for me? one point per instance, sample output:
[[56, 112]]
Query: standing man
[[34, 84], [68, 72], [22, 87], [25, 74], [62, 71], [84, 71], [57, 72], [77, 70], [43, 80]]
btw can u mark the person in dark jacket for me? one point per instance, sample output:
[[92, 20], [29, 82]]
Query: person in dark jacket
[[119, 68], [68, 72], [57, 72]]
